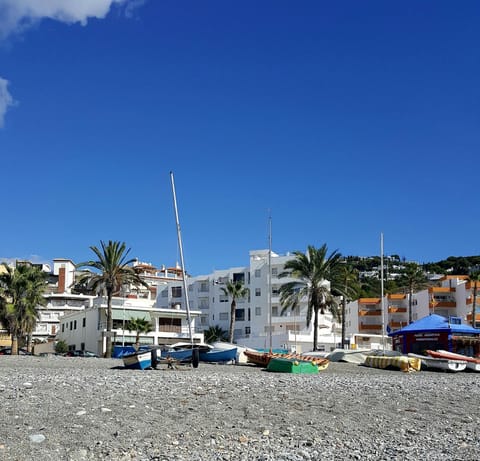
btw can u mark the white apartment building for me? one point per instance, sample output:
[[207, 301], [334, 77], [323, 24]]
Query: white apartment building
[[252, 317]]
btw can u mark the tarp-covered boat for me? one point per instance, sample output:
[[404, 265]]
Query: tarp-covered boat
[[289, 365], [401, 362]]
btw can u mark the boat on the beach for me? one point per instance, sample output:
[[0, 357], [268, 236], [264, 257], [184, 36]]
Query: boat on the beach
[[472, 362], [139, 360], [289, 365], [263, 358], [441, 363], [400, 362], [218, 355]]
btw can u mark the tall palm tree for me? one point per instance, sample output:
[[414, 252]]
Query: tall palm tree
[[315, 277], [412, 278], [347, 278], [235, 290], [113, 270], [139, 325], [474, 278], [21, 291]]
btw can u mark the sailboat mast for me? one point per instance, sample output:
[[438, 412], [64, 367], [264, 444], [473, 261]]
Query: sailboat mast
[[182, 262], [270, 279], [382, 291]]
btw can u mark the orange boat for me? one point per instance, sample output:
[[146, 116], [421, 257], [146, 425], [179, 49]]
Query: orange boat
[[263, 358]]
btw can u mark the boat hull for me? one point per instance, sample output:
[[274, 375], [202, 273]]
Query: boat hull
[[182, 355], [444, 364], [138, 360], [281, 365], [472, 362], [218, 356], [263, 358], [401, 362]]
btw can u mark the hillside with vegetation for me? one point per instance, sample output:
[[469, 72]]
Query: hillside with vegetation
[[369, 269]]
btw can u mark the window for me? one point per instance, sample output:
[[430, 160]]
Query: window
[[258, 292], [223, 315], [274, 311], [258, 273], [258, 311], [63, 327], [176, 292], [275, 290], [203, 287], [240, 315], [164, 293], [239, 277], [71, 325], [274, 271], [223, 298], [84, 321], [74, 324], [203, 303], [203, 320], [247, 330]]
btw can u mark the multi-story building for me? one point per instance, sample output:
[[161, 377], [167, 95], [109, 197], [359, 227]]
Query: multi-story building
[[453, 297], [253, 317]]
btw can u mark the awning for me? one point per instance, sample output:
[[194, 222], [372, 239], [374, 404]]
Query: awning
[[128, 314]]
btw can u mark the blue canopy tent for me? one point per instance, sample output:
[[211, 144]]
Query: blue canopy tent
[[437, 332]]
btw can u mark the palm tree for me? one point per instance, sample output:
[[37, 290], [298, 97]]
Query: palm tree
[[113, 271], [474, 278], [235, 290], [139, 325], [412, 279], [316, 276], [215, 333], [347, 278], [21, 291]]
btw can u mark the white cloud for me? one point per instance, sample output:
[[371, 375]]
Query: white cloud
[[18, 15], [6, 99]]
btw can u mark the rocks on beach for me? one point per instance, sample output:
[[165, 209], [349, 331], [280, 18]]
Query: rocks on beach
[[59, 408]]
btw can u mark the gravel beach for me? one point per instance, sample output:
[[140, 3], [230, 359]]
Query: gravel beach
[[59, 408]]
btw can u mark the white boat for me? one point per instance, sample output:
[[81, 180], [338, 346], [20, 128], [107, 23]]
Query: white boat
[[438, 363], [472, 362], [138, 360]]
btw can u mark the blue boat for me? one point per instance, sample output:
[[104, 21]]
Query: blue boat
[[182, 355], [138, 360], [218, 355]]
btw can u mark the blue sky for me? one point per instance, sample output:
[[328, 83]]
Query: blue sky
[[340, 119]]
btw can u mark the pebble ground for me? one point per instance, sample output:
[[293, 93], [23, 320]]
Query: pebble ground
[[76, 409]]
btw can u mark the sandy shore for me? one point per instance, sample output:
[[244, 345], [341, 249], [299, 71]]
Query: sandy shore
[[75, 409]]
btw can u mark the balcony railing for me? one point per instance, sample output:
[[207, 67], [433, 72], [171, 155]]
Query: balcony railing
[[395, 309], [364, 312], [366, 326]]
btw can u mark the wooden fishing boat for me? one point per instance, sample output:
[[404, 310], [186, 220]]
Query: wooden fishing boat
[[441, 363], [289, 365], [263, 358], [472, 362]]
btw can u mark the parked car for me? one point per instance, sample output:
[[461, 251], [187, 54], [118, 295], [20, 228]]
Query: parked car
[[79, 353], [8, 351]]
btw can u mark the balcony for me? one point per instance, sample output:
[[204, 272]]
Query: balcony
[[398, 310], [370, 327], [364, 312], [448, 304], [397, 324]]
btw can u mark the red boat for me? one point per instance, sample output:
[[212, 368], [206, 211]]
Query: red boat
[[472, 362]]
